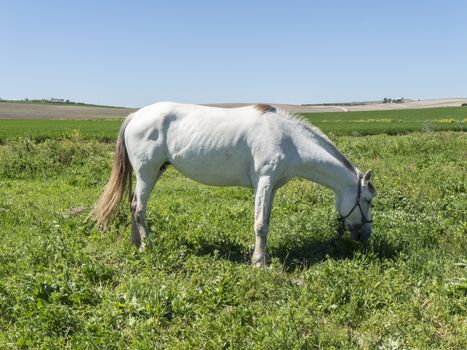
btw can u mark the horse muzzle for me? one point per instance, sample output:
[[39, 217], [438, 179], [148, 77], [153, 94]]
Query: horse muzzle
[[360, 232]]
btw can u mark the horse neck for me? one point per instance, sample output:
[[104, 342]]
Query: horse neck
[[318, 164]]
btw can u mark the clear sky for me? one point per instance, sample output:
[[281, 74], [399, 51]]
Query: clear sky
[[132, 53]]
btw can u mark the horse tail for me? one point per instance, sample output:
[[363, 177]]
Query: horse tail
[[106, 207]]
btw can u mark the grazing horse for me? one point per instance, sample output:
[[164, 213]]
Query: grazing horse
[[258, 146]]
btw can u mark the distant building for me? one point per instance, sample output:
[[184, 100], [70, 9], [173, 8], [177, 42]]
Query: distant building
[[56, 100], [394, 100]]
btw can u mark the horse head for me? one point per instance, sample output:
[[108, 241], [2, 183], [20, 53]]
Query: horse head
[[354, 208]]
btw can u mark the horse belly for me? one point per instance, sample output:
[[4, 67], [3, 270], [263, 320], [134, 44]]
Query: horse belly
[[220, 167]]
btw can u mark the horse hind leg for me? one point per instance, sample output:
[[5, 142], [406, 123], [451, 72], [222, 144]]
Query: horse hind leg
[[145, 182], [135, 236]]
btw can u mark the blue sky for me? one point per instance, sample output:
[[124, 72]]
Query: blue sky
[[132, 53]]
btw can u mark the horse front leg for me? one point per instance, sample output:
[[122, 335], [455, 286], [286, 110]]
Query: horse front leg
[[264, 195]]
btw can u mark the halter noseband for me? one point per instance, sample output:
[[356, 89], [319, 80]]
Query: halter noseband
[[356, 205]]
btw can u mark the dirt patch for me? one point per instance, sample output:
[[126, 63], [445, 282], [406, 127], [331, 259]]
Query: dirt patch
[[447, 102], [13, 110]]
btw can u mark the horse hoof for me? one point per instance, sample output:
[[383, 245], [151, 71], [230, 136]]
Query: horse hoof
[[260, 265], [260, 261]]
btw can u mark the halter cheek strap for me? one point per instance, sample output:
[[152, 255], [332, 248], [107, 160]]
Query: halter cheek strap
[[356, 205]]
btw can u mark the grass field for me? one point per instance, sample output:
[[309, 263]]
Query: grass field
[[42, 129], [345, 123], [65, 285], [391, 122]]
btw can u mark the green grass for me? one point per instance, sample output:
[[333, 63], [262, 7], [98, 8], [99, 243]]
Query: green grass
[[43, 129], [65, 285], [390, 122], [345, 123]]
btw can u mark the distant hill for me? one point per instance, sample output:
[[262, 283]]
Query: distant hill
[[38, 109], [56, 102]]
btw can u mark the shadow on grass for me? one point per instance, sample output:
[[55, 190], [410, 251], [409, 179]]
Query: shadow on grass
[[312, 251], [316, 250], [223, 248], [297, 254]]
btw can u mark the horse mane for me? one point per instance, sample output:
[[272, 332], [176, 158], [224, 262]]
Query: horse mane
[[263, 108], [301, 122]]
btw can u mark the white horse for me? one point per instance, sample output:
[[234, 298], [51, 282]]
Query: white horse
[[259, 146]]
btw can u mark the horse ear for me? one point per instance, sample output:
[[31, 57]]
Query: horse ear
[[366, 182], [367, 177]]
